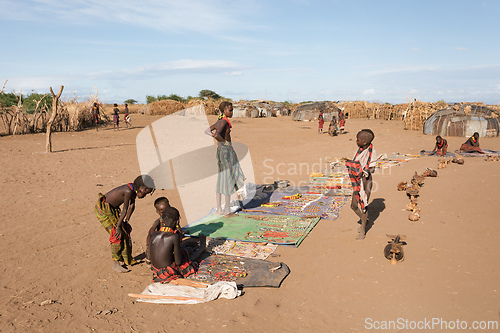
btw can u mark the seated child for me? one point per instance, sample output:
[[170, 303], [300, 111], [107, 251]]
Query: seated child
[[472, 145], [160, 204], [168, 260], [332, 129], [441, 147]]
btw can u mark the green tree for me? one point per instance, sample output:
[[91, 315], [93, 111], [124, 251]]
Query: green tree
[[209, 94], [130, 101], [8, 99], [29, 102], [176, 98], [150, 99]]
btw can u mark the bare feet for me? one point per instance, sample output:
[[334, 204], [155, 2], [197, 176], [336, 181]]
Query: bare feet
[[361, 236], [117, 267]]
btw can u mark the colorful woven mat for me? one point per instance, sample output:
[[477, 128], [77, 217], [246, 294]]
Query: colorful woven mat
[[241, 249]]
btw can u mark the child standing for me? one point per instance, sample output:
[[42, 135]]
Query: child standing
[[116, 117], [230, 176], [115, 219], [360, 173], [126, 118], [321, 122]]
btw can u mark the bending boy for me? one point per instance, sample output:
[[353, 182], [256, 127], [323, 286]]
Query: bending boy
[[115, 219]]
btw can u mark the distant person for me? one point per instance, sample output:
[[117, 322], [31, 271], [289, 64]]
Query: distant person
[[230, 176], [126, 118], [360, 172], [441, 147], [332, 129], [168, 261], [116, 117], [116, 220], [95, 115], [321, 121], [341, 117], [472, 145]]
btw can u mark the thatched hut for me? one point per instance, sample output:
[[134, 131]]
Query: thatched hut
[[463, 120], [310, 111], [244, 109]]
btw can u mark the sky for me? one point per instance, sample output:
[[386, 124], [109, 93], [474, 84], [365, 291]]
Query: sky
[[296, 50]]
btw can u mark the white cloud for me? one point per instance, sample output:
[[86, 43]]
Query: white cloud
[[204, 16], [461, 48], [369, 92], [415, 49]]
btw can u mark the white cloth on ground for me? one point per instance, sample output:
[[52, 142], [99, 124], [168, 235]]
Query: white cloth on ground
[[221, 289]]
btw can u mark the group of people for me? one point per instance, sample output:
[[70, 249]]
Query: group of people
[[469, 146], [337, 124], [167, 254], [116, 116]]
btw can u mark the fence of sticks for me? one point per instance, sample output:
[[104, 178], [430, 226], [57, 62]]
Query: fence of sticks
[[412, 114], [71, 116]]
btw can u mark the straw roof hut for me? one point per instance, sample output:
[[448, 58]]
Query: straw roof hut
[[463, 120], [310, 111]]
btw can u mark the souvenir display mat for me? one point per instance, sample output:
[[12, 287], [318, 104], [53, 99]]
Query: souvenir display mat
[[246, 272], [276, 229], [487, 152], [240, 249], [336, 184], [448, 154]]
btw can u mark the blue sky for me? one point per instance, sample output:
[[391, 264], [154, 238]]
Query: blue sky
[[297, 50]]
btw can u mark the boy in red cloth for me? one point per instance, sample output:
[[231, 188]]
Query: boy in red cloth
[[360, 172], [168, 260], [115, 219], [321, 122]]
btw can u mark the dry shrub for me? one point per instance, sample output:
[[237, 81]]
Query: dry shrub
[[164, 107]]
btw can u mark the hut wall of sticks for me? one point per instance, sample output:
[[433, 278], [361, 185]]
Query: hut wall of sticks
[[463, 120], [310, 111], [72, 116]]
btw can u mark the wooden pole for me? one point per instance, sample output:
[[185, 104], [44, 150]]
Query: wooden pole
[[55, 99], [179, 298]]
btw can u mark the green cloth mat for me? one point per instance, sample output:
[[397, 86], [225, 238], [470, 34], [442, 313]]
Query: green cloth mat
[[281, 229]]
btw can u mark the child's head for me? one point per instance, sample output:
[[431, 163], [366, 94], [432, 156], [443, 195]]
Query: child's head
[[170, 217], [143, 185], [439, 139], [226, 108], [115, 105], [161, 204], [364, 137], [476, 135]]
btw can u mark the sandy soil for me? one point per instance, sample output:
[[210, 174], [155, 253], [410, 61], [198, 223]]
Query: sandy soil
[[55, 249]]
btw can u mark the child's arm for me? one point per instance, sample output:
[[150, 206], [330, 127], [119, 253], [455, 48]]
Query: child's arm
[[128, 209], [177, 249], [220, 126]]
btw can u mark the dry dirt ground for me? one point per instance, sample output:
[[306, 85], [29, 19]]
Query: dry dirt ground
[[55, 249]]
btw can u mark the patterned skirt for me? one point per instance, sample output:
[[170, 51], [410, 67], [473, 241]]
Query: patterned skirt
[[230, 177]]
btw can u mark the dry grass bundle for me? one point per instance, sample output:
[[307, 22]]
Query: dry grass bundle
[[164, 107], [211, 105]]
